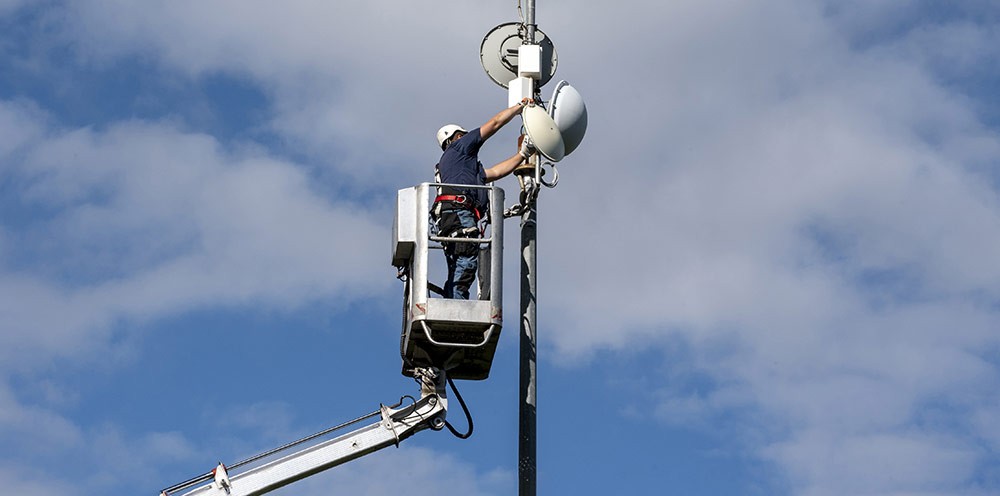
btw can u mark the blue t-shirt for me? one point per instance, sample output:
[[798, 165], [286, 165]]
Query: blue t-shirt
[[460, 165]]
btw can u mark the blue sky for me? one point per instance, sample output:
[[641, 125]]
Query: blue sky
[[771, 267]]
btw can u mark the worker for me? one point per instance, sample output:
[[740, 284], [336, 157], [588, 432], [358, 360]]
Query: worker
[[459, 209]]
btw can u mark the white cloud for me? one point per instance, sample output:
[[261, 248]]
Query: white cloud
[[885, 463], [361, 86], [168, 445], [30, 430], [20, 125], [149, 220], [9, 6], [15, 481], [269, 422], [986, 423], [824, 217]]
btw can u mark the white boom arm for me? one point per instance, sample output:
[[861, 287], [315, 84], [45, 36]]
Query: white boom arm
[[271, 470]]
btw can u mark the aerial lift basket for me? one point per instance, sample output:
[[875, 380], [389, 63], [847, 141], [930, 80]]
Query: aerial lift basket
[[459, 336]]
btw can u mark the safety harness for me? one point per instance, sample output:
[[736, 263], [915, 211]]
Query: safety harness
[[461, 201], [456, 202]]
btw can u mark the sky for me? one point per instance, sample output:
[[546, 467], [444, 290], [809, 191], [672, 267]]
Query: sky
[[771, 268]]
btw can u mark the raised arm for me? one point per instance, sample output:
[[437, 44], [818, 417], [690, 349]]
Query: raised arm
[[503, 117], [525, 150], [504, 168]]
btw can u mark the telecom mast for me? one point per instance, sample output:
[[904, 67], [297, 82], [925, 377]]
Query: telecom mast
[[520, 58]]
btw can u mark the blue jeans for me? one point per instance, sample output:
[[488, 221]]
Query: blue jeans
[[462, 259]]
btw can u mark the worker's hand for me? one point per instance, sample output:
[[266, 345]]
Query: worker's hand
[[526, 148], [525, 102]]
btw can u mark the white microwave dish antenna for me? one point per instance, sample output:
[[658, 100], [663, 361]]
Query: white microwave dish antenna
[[543, 132], [569, 114], [498, 53]]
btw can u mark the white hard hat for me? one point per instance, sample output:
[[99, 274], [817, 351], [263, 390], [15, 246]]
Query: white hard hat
[[447, 132]]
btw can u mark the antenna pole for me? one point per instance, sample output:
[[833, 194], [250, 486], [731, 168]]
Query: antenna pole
[[528, 353], [529, 19], [529, 301]]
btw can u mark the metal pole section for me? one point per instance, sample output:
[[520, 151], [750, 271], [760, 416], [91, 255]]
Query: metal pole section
[[529, 19], [528, 343]]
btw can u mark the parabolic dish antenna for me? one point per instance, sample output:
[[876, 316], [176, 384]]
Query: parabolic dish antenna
[[570, 115], [498, 53], [543, 132]]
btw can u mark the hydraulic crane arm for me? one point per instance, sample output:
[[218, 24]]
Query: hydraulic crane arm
[[271, 470]]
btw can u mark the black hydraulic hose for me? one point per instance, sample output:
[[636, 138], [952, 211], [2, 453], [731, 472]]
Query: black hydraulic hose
[[465, 408]]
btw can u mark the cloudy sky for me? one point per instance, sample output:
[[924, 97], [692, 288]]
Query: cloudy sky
[[772, 267]]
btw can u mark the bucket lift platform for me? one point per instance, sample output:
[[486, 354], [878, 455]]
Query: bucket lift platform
[[458, 336]]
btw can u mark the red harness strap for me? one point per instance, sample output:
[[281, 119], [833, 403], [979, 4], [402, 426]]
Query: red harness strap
[[460, 199], [452, 198]]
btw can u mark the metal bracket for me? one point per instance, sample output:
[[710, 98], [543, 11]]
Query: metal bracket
[[222, 478], [387, 421], [555, 175]]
